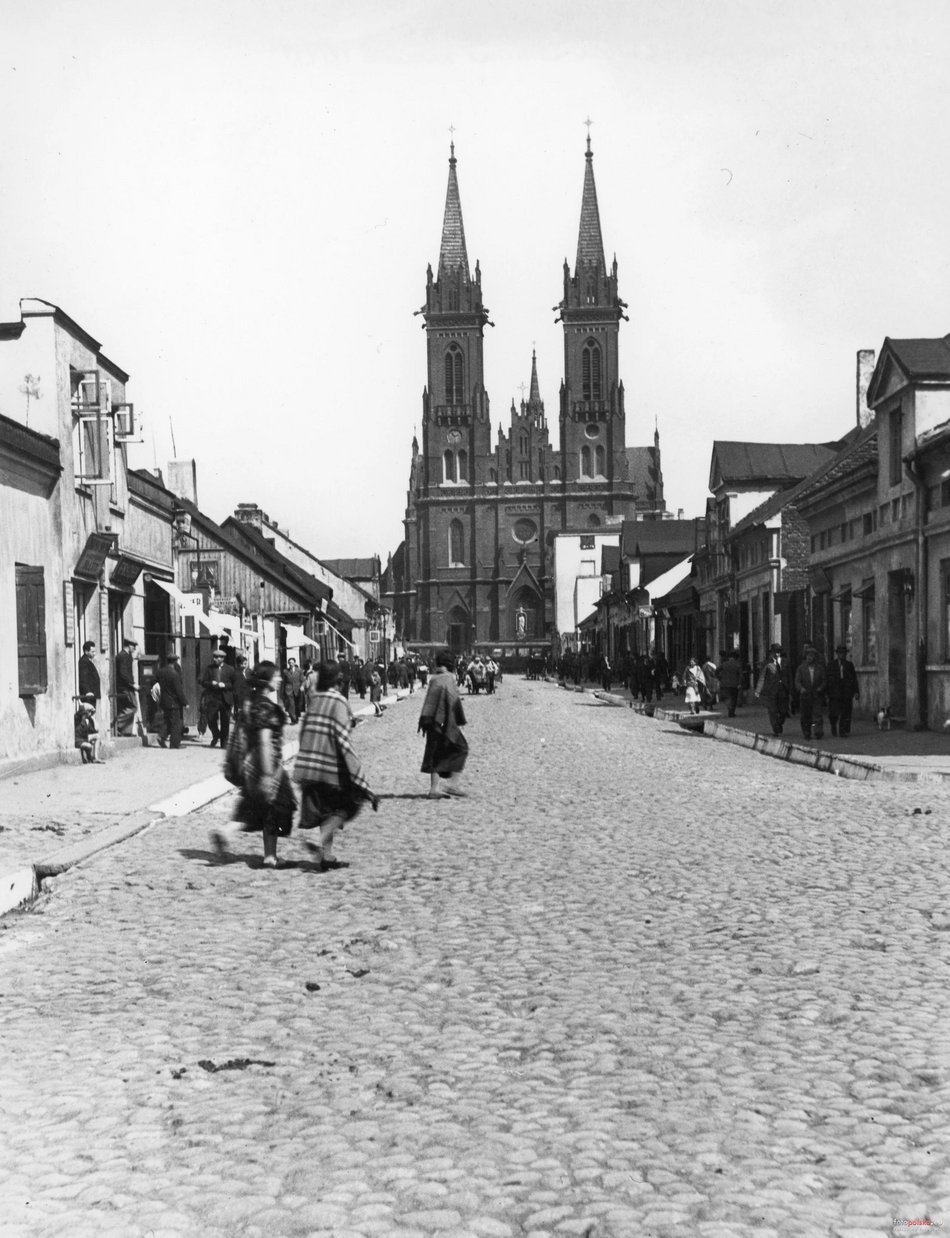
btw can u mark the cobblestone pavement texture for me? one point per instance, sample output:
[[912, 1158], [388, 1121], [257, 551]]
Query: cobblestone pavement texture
[[638, 983]]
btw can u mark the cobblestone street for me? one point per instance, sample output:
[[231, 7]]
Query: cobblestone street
[[638, 983]]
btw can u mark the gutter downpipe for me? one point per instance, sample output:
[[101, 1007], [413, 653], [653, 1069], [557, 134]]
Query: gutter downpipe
[[910, 462]]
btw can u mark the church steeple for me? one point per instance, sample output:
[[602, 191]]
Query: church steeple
[[452, 253], [590, 242]]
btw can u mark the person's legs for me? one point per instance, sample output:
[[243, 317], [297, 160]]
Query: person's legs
[[211, 713], [174, 720], [270, 849], [805, 715], [224, 724], [833, 716], [844, 718]]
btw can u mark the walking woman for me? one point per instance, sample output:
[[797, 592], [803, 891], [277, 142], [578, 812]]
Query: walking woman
[[267, 801], [441, 717], [333, 786], [695, 682]]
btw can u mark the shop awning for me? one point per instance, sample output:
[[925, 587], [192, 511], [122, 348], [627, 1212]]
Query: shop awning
[[666, 583]]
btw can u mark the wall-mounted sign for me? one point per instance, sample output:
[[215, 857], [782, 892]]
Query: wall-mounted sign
[[125, 573], [98, 545]]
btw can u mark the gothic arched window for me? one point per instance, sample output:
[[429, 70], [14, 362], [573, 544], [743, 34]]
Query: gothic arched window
[[591, 385], [600, 466], [463, 465], [593, 521], [454, 382], [524, 444], [456, 544], [448, 466], [585, 462], [493, 476], [557, 472]]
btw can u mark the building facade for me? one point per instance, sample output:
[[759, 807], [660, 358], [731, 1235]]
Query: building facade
[[484, 509]]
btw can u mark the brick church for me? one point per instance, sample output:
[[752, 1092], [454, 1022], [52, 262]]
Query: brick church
[[483, 510]]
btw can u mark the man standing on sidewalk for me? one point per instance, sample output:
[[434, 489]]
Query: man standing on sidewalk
[[172, 702], [218, 685], [89, 672], [842, 692], [730, 680], [810, 684], [774, 688], [126, 692]]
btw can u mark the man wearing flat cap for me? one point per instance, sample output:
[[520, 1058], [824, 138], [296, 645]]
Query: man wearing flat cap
[[842, 690]]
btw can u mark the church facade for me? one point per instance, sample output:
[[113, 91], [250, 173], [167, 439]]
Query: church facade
[[484, 509]]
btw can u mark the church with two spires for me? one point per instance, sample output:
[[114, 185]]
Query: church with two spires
[[483, 510]]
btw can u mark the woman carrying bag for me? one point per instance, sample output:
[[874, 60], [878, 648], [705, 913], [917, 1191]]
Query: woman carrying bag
[[267, 801], [442, 716]]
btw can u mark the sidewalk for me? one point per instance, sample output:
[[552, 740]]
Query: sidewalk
[[867, 753], [52, 818]]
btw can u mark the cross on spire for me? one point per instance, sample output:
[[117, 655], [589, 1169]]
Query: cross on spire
[[588, 122]]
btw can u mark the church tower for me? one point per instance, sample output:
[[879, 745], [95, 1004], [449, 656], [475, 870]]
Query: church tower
[[593, 436]]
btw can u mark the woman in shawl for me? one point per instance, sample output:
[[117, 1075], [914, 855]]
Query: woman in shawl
[[267, 801], [333, 786], [441, 717], [695, 682]]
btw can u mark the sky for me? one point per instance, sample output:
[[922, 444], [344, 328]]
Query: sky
[[239, 201]]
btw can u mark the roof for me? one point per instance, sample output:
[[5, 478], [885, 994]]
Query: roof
[[660, 537], [772, 463], [590, 242], [452, 252], [662, 585], [353, 569], [919, 359], [244, 536], [30, 442], [860, 448]]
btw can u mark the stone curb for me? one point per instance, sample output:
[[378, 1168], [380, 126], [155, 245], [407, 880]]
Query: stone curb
[[20, 887]]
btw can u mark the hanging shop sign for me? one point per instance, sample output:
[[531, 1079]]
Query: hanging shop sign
[[97, 547]]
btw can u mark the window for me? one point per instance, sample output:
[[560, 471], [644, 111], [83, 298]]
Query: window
[[867, 524], [600, 456], [93, 439], [456, 544], [523, 470], [588, 567], [524, 444], [448, 465], [453, 375], [557, 472], [31, 629], [593, 520], [590, 371], [493, 476], [586, 462], [896, 430], [846, 635], [463, 465], [869, 627], [587, 541]]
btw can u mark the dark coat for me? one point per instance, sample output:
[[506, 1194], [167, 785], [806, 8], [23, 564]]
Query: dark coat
[[775, 683], [807, 684], [89, 677], [219, 680], [125, 672], [173, 694], [842, 681]]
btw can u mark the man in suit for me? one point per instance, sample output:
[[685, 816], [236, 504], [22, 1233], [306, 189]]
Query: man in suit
[[89, 673], [172, 702], [126, 690], [774, 688], [842, 688], [810, 684], [217, 684]]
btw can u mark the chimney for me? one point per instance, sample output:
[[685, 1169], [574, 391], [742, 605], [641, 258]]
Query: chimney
[[866, 359], [183, 479], [249, 513], [679, 513]]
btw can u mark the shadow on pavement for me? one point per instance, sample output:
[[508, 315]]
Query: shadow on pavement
[[213, 860]]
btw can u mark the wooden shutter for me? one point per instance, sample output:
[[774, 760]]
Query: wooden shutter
[[31, 629]]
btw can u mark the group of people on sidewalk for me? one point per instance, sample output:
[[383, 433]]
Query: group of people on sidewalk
[[814, 685], [333, 786]]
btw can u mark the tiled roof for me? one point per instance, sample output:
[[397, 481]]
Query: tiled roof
[[766, 462], [452, 252], [30, 442], [860, 447], [923, 358], [643, 470], [660, 537], [279, 564], [353, 569], [590, 243]]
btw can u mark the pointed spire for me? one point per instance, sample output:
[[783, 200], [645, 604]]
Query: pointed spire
[[534, 397], [590, 243], [453, 253]]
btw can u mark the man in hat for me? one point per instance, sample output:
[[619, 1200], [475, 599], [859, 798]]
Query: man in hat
[[126, 691], [842, 689], [810, 685], [172, 702], [89, 672], [217, 684], [774, 688]]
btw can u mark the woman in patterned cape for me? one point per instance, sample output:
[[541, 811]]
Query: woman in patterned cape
[[333, 786]]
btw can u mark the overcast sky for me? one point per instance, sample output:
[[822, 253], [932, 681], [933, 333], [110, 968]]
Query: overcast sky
[[239, 200]]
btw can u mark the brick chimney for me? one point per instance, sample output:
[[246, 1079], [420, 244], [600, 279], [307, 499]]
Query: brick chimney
[[250, 513], [866, 361], [183, 479]]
